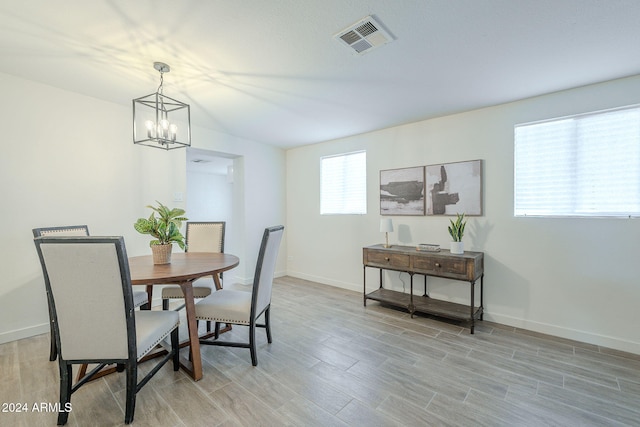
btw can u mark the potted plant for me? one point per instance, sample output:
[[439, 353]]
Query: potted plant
[[166, 230], [456, 230]]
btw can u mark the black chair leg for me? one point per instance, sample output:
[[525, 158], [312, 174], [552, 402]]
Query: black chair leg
[[65, 391], [252, 343], [267, 323], [132, 384], [53, 352], [175, 347]]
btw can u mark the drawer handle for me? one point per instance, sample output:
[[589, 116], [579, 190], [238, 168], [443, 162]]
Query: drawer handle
[[387, 259], [438, 264]]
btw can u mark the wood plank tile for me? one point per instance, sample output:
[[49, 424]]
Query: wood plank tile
[[357, 414], [520, 368], [410, 414], [591, 404], [463, 413], [351, 385], [314, 389], [244, 407], [302, 412], [191, 404], [266, 388]]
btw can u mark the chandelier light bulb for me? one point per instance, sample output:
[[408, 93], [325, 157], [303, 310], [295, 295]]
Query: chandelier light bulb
[[150, 127], [163, 129], [173, 132]]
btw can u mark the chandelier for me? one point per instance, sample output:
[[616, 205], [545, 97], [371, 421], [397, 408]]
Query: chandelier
[[160, 121]]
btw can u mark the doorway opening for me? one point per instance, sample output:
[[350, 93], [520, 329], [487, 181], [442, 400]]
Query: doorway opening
[[214, 192]]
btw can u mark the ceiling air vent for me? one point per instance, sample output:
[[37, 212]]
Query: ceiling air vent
[[364, 35]]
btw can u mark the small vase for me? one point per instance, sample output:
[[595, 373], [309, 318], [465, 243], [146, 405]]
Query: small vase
[[457, 248], [161, 253]]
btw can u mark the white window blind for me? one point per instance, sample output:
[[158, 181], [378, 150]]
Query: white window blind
[[343, 184], [585, 165]]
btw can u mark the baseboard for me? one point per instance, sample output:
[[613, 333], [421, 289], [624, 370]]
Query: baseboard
[[325, 281], [568, 333], [19, 334]]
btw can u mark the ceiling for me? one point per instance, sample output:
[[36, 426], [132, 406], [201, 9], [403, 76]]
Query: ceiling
[[272, 72]]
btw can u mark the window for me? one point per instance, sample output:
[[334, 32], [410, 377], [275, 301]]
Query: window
[[343, 184], [585, 165]]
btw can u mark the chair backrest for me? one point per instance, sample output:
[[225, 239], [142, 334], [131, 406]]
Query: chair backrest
[[89, 283], [69, 230], [205, 236], [265, 269]]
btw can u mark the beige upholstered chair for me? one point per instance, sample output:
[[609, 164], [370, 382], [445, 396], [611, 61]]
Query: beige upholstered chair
[[200, 237], [244, 308], [139, 297], [94, 319]]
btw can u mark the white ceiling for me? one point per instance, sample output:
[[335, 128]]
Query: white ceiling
[[271, 71]]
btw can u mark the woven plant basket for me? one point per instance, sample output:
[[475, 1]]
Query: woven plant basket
[[161, 253]]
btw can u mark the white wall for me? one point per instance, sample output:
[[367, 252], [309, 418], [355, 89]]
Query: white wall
[[573, 278], [68, 159], [214, 201]]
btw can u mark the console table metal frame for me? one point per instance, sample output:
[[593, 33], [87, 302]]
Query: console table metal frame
[[467, 267]]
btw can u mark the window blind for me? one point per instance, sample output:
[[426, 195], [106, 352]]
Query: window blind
[[343, 184], [585, 165]]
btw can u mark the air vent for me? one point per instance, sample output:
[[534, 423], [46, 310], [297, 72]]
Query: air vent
[[364, 36]]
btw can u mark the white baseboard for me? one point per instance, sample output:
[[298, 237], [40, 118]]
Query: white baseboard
[[572, 334], [325, 281], [29, 332]]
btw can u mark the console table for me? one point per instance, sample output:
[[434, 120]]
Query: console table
[[468, 267]]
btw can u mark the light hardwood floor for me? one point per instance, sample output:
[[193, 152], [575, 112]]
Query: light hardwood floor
[[334, 362]]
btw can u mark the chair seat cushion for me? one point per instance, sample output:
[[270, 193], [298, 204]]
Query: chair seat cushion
[[152, 327], [225, 305], [201, 288], [139, 298]]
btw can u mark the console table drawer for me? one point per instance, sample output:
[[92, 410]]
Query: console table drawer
[[441, 265], [387, 259]]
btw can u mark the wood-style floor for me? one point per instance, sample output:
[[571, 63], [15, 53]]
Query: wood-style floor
[[334, 362]]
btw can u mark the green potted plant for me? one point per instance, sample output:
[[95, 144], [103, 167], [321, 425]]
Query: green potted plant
[[456, 230], [165, 229]]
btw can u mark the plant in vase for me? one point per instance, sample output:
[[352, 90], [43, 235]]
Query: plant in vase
[[166, 230], [456, 230]]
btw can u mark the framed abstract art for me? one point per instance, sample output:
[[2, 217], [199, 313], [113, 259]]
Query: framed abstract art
[[402, 191], [453, 188]]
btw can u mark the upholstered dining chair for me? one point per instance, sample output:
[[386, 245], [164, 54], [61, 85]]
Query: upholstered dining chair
[[200, 237], [139, 297], [94, 317], [244, 308]]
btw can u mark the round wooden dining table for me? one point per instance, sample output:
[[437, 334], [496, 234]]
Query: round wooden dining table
[[183, 270]]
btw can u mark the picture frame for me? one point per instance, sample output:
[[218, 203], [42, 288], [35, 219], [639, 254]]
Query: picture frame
[[402, 191], [454, 188]]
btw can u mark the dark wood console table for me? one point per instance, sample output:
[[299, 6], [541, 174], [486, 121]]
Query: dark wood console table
[[468, 267]]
